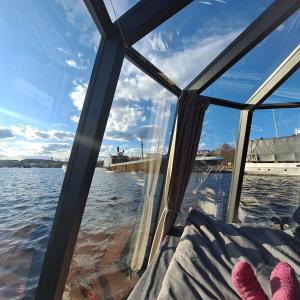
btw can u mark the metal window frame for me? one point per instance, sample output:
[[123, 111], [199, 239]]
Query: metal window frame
[[115, 45], [270, 19], [282, 72], [279, 76], [80, 170], [281, 105], [239, 165]]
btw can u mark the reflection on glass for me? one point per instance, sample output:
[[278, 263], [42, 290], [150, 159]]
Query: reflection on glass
[[289, 91], [246, 76], [117, 8], [124, 194], [46, 58], [271, 186], [209, 185], [186, 43]]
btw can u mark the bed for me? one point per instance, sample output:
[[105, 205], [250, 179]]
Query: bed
[[199, 264]]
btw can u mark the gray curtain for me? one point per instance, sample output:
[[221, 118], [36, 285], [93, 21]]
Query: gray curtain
[[190, 114], [143, 229]]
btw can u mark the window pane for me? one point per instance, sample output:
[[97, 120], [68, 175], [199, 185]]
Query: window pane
[[289, 91], [186, 43], [246, 76], [209, 185], [117, 8], [123, 197], [271, 186], [46, 56]]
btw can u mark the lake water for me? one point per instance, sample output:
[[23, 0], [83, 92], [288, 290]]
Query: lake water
[[28, 199]]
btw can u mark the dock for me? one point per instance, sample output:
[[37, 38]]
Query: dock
[[143, 165], [148, 165]]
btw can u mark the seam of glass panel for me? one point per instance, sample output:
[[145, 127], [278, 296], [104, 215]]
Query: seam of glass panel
[[279, 76], [174, 42], [118, 8], [243, 78], [289, 91]]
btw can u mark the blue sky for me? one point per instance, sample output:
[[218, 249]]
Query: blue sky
[[47, 53]]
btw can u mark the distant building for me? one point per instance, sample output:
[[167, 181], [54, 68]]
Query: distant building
[[115, 159], [297, 131]]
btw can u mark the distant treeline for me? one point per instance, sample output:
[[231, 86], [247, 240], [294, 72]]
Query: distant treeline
[[226, 151], [31, 163]]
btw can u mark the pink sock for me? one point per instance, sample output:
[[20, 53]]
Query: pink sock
[[284, 284], [246, 283]]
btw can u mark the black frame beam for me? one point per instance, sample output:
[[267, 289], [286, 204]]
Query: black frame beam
[[99, 13], [281, 74], [225, 103], [80, 169], [145, 16], [272, 17], [278, 105], [145, 65], [239, 166]]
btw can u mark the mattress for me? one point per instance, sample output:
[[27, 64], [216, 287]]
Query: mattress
[[149, 285], [208, 249], [199, 264]]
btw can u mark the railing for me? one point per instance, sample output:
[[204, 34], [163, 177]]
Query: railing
[[204, 175]]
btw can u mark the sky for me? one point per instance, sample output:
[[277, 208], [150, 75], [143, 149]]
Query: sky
[[47, 53]]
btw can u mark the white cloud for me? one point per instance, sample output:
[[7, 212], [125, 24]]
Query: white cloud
[[65, 51], [243, 76], [289, 93], [118, 9], [184, 64], [92, 39], [123, 121], [78, 15], [205, 2], [106, 150], [30, 133], [75, 119], [77, 95], [136, 90], [71, 63], [137, 86], [157, 43]]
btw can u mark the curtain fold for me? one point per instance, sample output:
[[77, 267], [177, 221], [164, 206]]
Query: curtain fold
[[143, 232], [144, 226], [187, 130]]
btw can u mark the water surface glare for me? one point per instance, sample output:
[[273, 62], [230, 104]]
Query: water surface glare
[[29, 199]]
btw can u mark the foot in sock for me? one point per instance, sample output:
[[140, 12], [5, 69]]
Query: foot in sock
[[246, 283], [284, 284]]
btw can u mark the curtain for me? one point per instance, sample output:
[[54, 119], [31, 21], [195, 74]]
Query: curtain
[[143, 232], [190, 114]]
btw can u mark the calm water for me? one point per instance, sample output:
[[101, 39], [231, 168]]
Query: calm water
[[28, 202]]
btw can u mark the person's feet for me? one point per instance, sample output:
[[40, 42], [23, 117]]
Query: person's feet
[[88, 291], [246, 283], [284, 284]]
